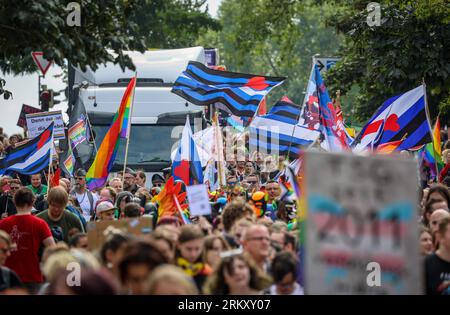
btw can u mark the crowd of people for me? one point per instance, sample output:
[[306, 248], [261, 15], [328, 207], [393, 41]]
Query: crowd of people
[[248, 245]]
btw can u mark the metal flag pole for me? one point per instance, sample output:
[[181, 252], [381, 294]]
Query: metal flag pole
[[128, 132]]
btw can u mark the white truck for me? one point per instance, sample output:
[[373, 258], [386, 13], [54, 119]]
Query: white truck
[[158, 116]]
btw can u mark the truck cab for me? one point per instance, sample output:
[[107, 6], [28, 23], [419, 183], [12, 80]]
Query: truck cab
[[158, 116]]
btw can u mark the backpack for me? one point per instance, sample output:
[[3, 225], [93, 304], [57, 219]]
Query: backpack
[[90, 198]]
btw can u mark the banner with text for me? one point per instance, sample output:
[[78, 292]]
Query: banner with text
[[362, 230], [36, 123]]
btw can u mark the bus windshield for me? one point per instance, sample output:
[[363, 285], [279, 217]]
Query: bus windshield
[[148, 143]]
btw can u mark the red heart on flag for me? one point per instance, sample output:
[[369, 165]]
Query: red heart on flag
[[391, 123], [182, 171], [257, 83], [43, 139]]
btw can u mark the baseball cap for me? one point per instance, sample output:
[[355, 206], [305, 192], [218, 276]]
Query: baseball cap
[[157, 178], [80, 172], [104, 206]]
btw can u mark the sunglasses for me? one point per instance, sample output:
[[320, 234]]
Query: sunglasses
[[158, 184], [252, 182], [79, 178]]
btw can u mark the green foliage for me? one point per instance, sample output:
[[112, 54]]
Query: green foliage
[[6, 94], [274, 37], [411, 43], [117, 25]]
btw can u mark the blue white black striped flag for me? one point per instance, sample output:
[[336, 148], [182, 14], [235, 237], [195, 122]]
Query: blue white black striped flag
[[401, 116], [31, 157], [279, 131], [238, 92]]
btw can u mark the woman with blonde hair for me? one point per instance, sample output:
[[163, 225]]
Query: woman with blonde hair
[[171, 280]]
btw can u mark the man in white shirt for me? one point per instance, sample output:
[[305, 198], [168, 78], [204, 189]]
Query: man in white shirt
[[85, 200]]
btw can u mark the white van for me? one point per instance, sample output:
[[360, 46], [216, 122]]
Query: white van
[[158, 115]]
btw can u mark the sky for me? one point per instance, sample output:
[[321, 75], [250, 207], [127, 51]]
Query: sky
[[25, 89]]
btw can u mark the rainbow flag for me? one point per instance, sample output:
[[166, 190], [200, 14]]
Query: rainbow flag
[[98, 172], [431, 153], [77, 133], [69, 162], [388, 147]]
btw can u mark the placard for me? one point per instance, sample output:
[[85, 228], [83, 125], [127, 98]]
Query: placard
[[361, 226], [98, 231], [36, 123], [198, 200], [26, 109]]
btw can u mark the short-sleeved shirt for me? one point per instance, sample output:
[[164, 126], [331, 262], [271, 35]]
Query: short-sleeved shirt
[[41, 190], [8, 279], [27, 233], [85, 205], [67, 222], [437, 275]]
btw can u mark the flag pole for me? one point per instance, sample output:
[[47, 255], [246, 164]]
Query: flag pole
[[128, 132], [219, 147], [91, 132], [50, 161], [302, 105], [427, 112]]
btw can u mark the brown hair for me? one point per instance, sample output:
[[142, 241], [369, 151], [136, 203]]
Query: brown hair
[[442, 190], [216, 283], [23, 197], [58, 195], [141, 174], [209, 243], [235, 211], [162, 234], [190, 232], [140, 252]]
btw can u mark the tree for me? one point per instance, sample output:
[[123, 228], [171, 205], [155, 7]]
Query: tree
[[6, 94], [115, 25], [411, 43], [274, 37]]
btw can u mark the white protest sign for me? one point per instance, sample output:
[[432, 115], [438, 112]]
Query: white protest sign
[[38, 122], [198, 200], [361, 225]]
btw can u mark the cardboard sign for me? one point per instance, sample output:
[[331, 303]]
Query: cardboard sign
[[26, 109], [98, 231], [198, 200], [36, 123], [361, 225]]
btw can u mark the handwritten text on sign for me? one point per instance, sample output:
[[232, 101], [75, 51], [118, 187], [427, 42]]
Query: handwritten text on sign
[[361, 210], [37, 123]]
